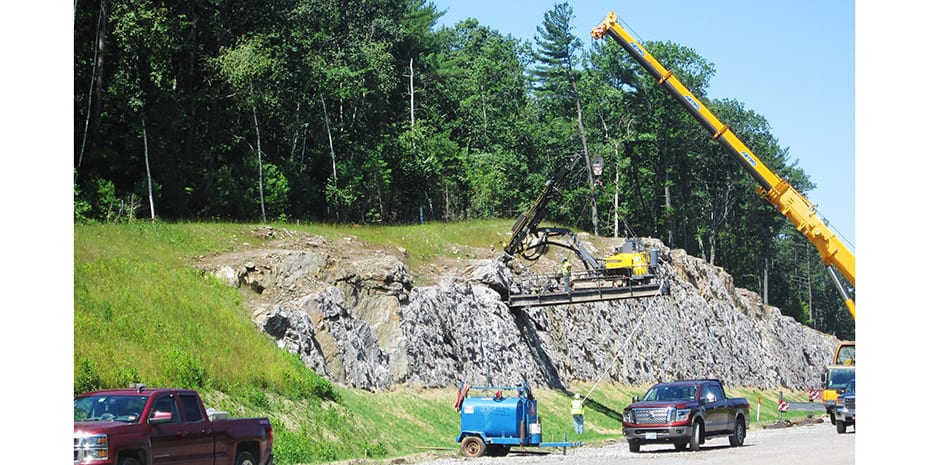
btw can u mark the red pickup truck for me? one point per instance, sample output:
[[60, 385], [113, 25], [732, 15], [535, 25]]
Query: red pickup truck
[[144, 426], [685, 413]]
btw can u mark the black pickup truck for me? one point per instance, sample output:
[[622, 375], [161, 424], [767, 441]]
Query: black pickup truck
[[685, 414]]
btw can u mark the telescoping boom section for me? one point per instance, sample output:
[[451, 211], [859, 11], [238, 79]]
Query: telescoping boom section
[[787, 200]]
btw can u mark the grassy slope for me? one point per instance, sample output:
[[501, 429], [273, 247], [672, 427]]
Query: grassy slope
[[143, 314]]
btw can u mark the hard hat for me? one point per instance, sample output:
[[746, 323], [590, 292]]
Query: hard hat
[[577, 396], [564, 259]]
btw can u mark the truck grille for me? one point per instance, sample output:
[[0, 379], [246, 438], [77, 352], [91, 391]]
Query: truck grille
[[850, 403], [645, 416], [79, 450]]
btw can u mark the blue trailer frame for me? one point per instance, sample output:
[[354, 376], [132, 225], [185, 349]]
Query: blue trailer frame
[[491, 425]]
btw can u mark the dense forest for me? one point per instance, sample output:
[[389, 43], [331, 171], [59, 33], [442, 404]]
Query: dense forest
[[371, 113]]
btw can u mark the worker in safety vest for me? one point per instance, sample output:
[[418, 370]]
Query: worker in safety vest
[[566, 273], [577, 413]]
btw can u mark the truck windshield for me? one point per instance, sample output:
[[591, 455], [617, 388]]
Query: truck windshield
[[850, 387], [839, 377], [670, 393], [126, 408], [845, 355]]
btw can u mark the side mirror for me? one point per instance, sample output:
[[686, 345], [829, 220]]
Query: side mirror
[[159, 417], [709, 398]]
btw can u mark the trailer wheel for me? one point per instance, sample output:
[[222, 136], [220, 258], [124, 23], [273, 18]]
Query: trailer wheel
[[245, 458], [472, 446], [681, 445]]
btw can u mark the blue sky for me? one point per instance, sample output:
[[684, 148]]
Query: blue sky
[[792, 62]]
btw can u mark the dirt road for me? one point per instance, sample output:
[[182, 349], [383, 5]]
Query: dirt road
[[814, 444]]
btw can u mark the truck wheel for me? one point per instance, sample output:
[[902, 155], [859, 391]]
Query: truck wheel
[[472, 446], [840, 426], [737, 436], [129, 461], [245, 458], [634, 445], [696, 440]]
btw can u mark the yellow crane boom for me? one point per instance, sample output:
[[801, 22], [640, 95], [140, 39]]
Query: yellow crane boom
[[787, 200]]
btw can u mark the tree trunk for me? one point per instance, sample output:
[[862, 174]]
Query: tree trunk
[[99, 44], [672, 221], [254, 115], [329, 135], [143, 124], [303, 151], [616, 203], [616, 177], [766, 275], [411, 93], [99, 88], [587, 157], [712, 246]]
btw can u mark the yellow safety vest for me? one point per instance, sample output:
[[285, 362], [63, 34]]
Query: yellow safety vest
[[577, 407]]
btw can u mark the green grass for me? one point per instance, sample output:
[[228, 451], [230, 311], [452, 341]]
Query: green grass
[[144, 314]]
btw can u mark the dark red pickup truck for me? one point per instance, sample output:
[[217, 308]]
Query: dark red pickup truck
[[143, 426], [685, 413]]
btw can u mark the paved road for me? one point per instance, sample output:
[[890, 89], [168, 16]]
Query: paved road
[[813, 444]]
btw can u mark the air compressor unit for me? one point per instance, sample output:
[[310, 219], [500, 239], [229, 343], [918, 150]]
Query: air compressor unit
[[500, 418]]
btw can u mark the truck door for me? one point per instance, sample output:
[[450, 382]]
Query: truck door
[[167, 440], [186, 438], [716, 408], [200, 446]]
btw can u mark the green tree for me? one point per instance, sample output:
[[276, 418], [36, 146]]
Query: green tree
[[556, 55], [482, 91], [146, 39], [242, 67]]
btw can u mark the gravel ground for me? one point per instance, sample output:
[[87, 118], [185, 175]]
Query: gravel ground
[[811, 444]]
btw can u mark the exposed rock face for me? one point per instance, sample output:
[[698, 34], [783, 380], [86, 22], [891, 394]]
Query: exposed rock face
[[354, 316]]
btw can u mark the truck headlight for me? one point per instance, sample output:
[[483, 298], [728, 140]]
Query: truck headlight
[[681, 414], [92, 447], [629, 417]]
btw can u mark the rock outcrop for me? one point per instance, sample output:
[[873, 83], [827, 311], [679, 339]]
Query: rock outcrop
[[354, 315]]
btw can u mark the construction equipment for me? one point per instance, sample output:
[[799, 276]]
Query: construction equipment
[[837, 377], [799, 210], [629, 273], [845, 354], [834, 380], [492, 424]]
